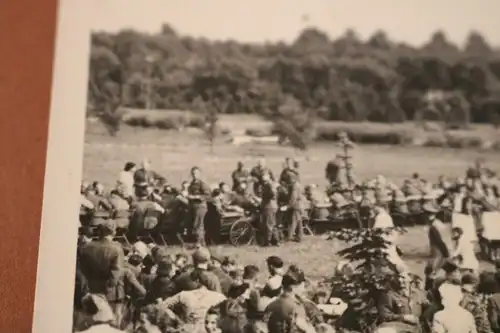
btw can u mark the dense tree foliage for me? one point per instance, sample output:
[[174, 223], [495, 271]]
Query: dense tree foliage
[[344, 79]]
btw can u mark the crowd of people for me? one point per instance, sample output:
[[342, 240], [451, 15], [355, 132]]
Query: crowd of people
[[139, 287]]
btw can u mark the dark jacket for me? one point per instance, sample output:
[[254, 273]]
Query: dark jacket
[[161, 287], [493, 309], [208, 279], [102, 264], [225, 280]]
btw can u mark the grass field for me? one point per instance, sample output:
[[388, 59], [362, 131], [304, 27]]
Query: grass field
[[173, 153]]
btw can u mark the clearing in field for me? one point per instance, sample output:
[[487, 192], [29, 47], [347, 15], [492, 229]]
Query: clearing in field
[[174, 153]]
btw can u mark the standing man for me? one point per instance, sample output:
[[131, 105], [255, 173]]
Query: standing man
[[102, 264], [145, 213], [294, 211], [439, 240], [240, 175], [288, 172], [257, 173], [146, 175], [198, 195], [268, 209]]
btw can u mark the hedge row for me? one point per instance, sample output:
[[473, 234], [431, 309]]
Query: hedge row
[[401, 134], [165, 120]]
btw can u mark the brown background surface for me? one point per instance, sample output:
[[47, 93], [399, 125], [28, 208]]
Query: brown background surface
[[27, 32]]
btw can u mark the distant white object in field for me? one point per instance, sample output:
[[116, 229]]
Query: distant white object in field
[[245, 139]]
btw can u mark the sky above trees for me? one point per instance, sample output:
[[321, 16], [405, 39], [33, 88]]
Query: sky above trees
[[410, 21]]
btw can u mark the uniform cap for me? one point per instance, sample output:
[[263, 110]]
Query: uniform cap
[[201, 256]]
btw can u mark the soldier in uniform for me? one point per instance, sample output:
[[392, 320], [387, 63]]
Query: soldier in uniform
[[288, 313], [102, 207], [146, 175], [257, 173], [240, 175], [294, 211], [145, 213], [198, 194], [121, 207], [333, 170], [268, 209], [288, 172], [242, 198]]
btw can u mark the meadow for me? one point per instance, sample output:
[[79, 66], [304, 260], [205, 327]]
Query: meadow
[[173, 153]]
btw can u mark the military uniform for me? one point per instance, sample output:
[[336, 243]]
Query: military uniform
[[393, 306], [239, 176], [102, 209], [268, 210], [145, 216], [282, 313], [121, 211], [288, 175], [295, 227], [257, 173], [198, 208], [475, 305], [143, 176]]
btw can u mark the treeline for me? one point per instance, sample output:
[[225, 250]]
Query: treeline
[[335, 79]]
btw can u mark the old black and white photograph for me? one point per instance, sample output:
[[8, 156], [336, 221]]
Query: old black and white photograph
[[284, 166]]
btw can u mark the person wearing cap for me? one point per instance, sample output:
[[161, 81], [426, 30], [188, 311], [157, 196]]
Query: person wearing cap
[[439, 239], [239, 175], [201, 260], [163, 285], [102, 208], [216, 268], [256, 174], [287, 311], [198, 194], [145, 175], [401, 306], [474, 303], [101, 316], [193, 301], [145, 213], [102, 263], [446, 319]]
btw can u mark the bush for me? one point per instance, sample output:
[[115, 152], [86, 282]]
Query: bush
[[166, 120], [365, 133], [258, 132]]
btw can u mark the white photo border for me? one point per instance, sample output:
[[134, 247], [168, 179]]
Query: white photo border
[[53, 309]]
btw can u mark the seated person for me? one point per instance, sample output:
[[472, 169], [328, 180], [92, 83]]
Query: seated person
[[224, 200], [243, 199], [314, 196]]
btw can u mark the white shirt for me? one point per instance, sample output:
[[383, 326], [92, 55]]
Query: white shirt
[[102, 328], [383, 220], [126, 179], [454, 320], [465, 248], [86, 202], [457, 203]]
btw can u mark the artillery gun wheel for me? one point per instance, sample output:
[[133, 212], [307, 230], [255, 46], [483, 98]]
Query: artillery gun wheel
[[241, 233]]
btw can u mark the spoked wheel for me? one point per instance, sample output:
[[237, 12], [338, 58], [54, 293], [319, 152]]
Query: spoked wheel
[[307, 230], [241, 233]]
